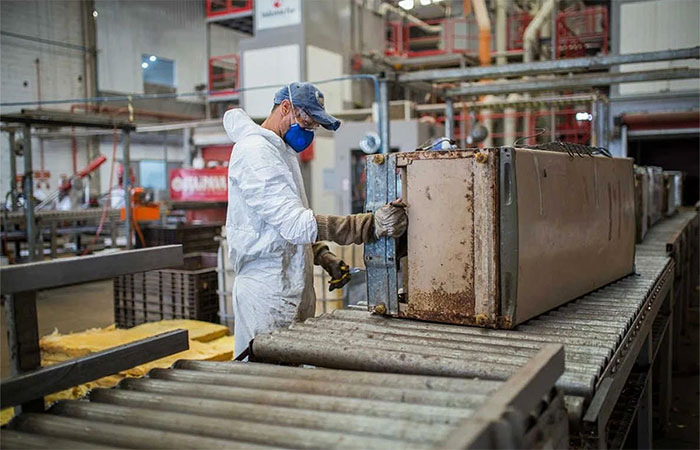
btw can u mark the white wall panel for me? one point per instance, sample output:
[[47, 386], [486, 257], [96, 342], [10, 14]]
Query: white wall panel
[[268, 66], [61, 69], [323, 193], [324, 64], [659, 25], [170, 29]]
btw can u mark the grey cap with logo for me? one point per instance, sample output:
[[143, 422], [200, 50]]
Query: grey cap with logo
[[309, 98]]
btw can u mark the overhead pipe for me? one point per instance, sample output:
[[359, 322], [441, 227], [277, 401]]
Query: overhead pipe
[[501, 31], [535, 68], [482, 19], [532, 30]]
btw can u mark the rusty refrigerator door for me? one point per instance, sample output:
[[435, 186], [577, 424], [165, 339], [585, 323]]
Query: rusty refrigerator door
[[498, 236]]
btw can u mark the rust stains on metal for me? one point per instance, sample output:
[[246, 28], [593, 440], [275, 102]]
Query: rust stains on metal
[[441, 306], [403, 159]]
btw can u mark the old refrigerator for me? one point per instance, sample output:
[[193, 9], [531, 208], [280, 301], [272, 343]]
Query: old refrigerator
[[498, 236]]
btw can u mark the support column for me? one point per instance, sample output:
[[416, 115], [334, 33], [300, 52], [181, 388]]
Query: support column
[[644, 413], [449, 118], [28, 192], [384, 116], [127, 188], [23, 339], [13, 172]]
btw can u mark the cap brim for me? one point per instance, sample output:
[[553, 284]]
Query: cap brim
[[324, 119]]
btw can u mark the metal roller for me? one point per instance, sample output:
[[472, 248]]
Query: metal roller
[[433, 343], [407, 345], [229, 430], [18, 439], [455, 329], [371, 378], [281, 349], [459, 334], [329, 388], [293, 417], [117, 435], [372, 408], [492, 337]]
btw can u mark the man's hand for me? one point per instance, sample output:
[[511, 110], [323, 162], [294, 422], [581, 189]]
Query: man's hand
[[336, 268], [391, 220]]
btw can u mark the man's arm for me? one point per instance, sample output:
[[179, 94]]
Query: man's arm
[[390, 220]]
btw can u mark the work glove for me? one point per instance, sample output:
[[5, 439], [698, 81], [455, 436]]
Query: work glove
[[391, 220], [334, 266]]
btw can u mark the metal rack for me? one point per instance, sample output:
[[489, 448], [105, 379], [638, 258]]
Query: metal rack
[[28, 118], [20, 284]]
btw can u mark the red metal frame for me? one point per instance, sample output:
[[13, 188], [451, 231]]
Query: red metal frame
[[578, 28], [517, 23], [227, 7], [226, 77], [567, 127]]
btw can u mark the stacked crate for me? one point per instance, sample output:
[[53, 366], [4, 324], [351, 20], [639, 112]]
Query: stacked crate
[[193, 237], [187, 292]]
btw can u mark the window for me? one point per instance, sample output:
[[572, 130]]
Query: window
[[152, 175], [158, 74]]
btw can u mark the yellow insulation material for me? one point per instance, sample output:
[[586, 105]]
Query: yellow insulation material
[[208, 342], [97, 339]]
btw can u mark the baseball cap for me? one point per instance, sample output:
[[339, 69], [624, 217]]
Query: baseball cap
[[307, 97]]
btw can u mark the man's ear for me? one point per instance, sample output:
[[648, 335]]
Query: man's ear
[[285, 106]]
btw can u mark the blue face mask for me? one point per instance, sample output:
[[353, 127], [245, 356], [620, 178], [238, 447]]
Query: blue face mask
[[297, 137]]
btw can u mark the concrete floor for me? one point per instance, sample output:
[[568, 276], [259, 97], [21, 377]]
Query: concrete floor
[[77, 308], [73, 308]]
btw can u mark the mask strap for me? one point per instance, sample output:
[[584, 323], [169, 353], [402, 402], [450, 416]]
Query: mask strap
[[294, 116]]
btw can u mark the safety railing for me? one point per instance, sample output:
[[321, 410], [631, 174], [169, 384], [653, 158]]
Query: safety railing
[[223, 7], [224, 73]]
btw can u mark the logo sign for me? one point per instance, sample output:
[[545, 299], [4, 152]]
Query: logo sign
[[203, 185], [276, 13]]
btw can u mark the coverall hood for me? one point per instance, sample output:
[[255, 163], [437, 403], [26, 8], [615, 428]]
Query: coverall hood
[[239, 125]]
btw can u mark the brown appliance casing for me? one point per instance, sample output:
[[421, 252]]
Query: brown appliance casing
[[499, 236]]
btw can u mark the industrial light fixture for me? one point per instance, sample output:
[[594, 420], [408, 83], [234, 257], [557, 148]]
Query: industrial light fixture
[[407, 4], [94, 13], [144, 65], [425, 2], [152, 58]]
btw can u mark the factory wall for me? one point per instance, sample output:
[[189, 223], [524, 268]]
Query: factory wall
[[642, 26], [174, 30], [60, 74], [61, 69]]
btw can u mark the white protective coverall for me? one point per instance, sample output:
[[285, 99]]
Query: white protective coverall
[[269, 230]]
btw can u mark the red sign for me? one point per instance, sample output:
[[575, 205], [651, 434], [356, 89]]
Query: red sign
[[204, 185]]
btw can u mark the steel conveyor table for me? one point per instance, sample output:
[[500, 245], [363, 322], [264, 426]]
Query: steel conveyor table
[[246, 405]]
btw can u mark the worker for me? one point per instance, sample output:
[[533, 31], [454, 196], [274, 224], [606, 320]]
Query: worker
[[273, 237]]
